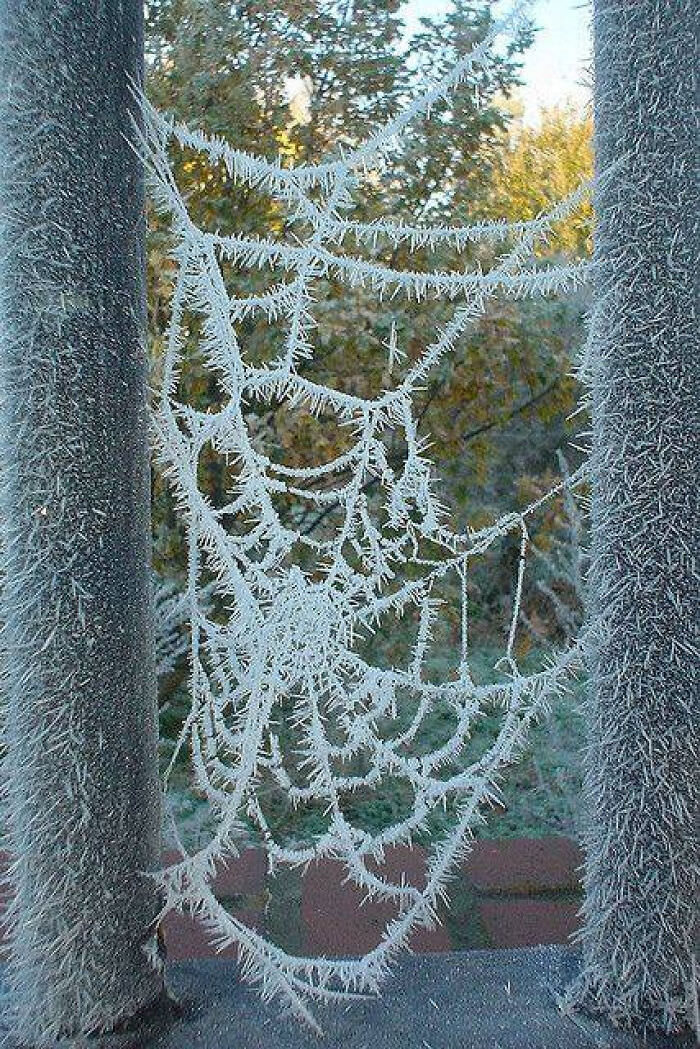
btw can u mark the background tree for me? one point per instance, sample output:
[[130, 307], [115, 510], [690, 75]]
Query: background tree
[[273, 78], [234, 71], [82, 806], [540, 165]]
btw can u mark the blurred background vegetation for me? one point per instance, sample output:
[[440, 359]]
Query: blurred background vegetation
[[297, 78]]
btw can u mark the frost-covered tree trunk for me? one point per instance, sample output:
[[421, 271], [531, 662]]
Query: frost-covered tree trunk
[[642, 764], [83, 797]]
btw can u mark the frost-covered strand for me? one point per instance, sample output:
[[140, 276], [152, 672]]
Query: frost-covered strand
[[82, 793], [249, 252], [300, 978], [288, 644], [204, 283], [459, 237], [287, 186], [642, 786]]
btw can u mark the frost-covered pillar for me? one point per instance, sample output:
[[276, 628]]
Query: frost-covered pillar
[[642, 765], [83, 798]]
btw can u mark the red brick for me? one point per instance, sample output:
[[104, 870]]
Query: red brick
[[524, 866], [185, 938], [238, 876], [528, 923], [241, 875], [404, 861], [335, 924], [244, 875]]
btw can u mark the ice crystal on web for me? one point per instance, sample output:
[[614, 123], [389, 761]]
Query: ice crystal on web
[[284, 686]]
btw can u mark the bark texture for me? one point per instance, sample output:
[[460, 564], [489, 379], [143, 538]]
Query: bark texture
[[83, 805], [642, 877]]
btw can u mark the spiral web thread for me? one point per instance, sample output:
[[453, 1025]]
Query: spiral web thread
[[292, 635]]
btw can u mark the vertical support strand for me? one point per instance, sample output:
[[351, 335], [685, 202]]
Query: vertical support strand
[[83, 801], [464, 625], [642, 875], [518, 596]]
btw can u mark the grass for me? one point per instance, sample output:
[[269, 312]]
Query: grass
[[539, 792]]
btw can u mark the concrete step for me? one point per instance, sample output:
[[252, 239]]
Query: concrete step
[[504, 999]]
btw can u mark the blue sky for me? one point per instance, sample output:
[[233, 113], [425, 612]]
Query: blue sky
[[554, 68]]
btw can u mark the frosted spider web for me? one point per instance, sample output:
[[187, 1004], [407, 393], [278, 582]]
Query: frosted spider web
[[291, 642]]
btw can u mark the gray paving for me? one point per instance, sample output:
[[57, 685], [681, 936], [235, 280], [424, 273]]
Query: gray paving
[[505, 999], [463, 1000]]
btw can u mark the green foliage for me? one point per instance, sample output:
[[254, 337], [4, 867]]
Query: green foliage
[[540, 165], [233, 70], [297, 79], [539, 796]]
